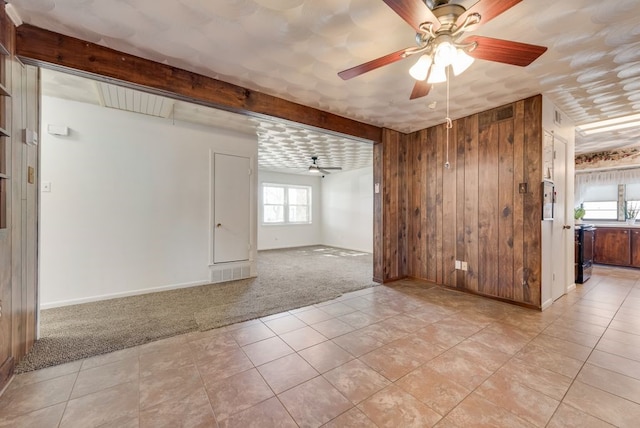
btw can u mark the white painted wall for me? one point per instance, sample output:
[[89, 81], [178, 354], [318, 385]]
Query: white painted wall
[[281, 236], [347, 209], [129, 207]]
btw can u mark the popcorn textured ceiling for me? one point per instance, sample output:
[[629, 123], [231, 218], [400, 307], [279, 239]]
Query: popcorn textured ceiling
[[294, 49]]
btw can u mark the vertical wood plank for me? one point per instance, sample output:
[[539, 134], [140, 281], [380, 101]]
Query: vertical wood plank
[[471, 202], [378, 241], [449, 210], [431, 217], [488, 208], [505, 200], [533, 200], [459, 126], [392, 207], [424, 244], [518, 206], [410, 177], [403, 206], [439, 206]]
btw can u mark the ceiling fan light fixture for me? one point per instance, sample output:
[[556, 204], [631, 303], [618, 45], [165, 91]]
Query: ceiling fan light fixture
[[314, 169], [420, 69], [446, 52], [438, 74], [462, 62]]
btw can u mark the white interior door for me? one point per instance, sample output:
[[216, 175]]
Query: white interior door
[[561, 230], [232, 184]]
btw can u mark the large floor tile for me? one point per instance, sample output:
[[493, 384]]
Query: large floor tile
[[568, 417], [267, 350], [603, 405], [392, 407], [237, 393], [314, 403], [287, 372], [268, 414], [49, 417], [615, 363], [475, 411], [356, 381], [18, 400], [325, 356], [101, 407], [193, 410], [171, 384], [610, 381], [519, 399], [106, 376], [433, 389]]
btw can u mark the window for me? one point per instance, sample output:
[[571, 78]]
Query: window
[[605, 210], [286, 204]]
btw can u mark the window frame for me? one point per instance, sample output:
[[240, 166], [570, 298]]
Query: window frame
[[286, 221]]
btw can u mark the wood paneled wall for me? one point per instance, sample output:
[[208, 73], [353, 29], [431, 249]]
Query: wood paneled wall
[[390, 207], [18, 240], [430, 216]]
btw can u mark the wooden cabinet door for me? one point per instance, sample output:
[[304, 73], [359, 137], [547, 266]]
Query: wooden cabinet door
[[613, 247], [635, 247]]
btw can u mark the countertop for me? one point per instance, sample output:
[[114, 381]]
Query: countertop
[[618, 224]]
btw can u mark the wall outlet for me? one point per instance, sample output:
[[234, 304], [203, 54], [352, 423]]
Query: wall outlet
[[458, 264], [464, 265]]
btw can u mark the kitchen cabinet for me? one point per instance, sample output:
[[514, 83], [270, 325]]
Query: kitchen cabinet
[[613, 246]]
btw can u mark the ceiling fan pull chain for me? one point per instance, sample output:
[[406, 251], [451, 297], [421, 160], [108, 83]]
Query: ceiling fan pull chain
[[449, 124]]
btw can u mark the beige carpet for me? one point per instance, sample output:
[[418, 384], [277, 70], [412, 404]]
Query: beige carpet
[[287, 279]]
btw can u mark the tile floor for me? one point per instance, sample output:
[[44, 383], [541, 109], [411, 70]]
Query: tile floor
[[403, 355]]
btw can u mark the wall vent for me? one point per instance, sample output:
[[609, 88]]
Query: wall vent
[[230, 273], [557, 117]]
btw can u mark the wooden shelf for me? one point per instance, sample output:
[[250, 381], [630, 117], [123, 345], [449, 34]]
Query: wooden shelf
[[4, 91], [4, 133]]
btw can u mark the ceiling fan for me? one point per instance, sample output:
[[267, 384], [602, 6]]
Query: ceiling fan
[[439, 27], [317, 169]]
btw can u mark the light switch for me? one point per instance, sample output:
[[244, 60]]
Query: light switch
[[46, 186], [377, 188]]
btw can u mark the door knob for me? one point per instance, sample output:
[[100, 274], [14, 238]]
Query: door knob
[[566, 226], [219, 225]]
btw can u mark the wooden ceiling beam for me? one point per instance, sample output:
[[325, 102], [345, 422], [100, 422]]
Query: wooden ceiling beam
[[48, 49]]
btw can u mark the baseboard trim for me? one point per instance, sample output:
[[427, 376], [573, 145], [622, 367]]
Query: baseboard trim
[[571, 287], [90, 299], [546, 304]]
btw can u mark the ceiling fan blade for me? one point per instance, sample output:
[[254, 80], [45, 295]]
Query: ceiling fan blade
[[415, 12], [372, 65], [337, 168], [488, 9], [324, 171], [420, 89], [505, 51]]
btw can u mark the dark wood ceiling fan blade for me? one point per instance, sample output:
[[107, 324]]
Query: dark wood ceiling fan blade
[[415, 12], [420, 89], [488, 9], [337, 168], [505, 51], [372, 65]]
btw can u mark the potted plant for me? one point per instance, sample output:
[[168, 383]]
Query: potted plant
[[578, 213], [631, 211]]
